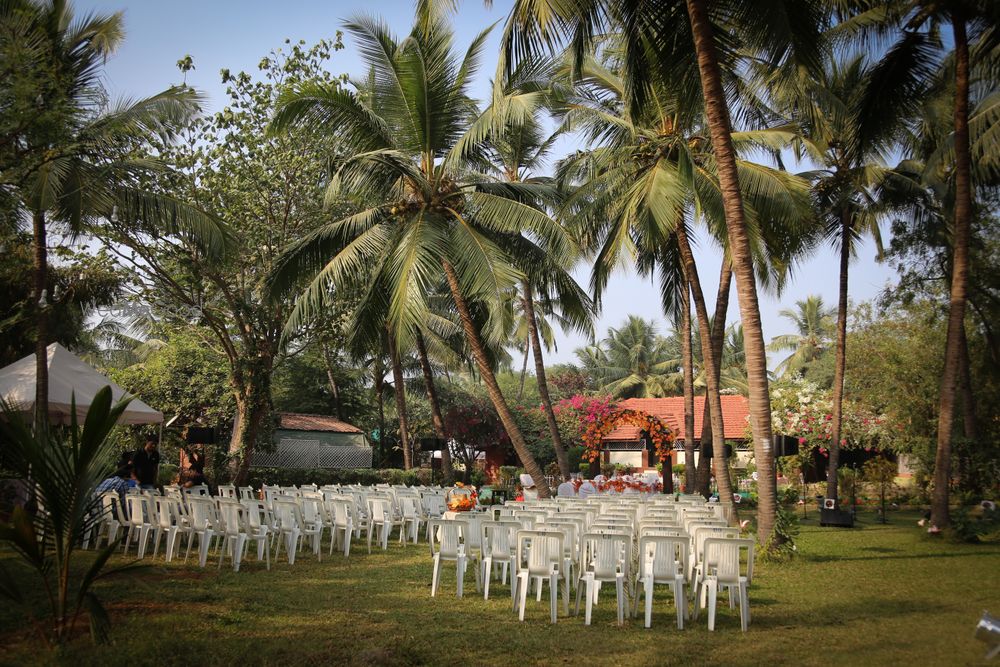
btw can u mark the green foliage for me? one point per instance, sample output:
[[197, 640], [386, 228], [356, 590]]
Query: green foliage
[[975, 525], [781, 545], [66, 465], [321, 476], [788, 495]]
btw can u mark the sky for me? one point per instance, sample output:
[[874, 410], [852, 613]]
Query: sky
[[236, 34]]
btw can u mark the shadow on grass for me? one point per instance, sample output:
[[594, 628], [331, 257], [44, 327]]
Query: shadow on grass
[[923, 555]]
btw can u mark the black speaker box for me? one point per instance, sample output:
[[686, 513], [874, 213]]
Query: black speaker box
[[198, 435]]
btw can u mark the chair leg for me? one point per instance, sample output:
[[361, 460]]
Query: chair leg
[[590, 600], [554, 595], [523, 583], [647, 586], [620, 593], [680, 602], [744, 607], [435, 571], [713, 594], [460, 569], [487, 570]]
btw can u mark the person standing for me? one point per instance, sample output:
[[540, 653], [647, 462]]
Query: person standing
[[146, 464]]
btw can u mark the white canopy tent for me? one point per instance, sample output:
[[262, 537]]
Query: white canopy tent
[[70, 378]]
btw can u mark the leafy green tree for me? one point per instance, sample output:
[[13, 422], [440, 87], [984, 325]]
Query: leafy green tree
[[67, 153], [633, 361], [425, 210], [267, 189]]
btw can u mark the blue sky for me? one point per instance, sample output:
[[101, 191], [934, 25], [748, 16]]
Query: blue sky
[[237, 34]]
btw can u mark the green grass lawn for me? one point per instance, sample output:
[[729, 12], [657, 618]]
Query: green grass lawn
[[874, 595]]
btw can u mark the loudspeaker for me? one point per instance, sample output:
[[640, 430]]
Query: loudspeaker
[[784, 445], [198, 435], [728, 450], [829, 504], [431, 444], [838, 518]]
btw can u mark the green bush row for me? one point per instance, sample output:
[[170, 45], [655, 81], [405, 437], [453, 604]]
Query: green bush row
[[323, 476]]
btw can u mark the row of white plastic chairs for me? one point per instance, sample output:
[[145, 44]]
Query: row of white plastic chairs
[[687, 546], [235, 518]]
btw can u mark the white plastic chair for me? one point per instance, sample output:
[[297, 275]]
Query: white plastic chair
[[291, 526], [113, 518], [727, 574], [232, 520], [168, 523], [342, 525], [447, 544], [140, 516], [497, 540], [539, 557], [204, 525], [411, 519], [605, 559], [382, 521], [259, 528], [662, 560]]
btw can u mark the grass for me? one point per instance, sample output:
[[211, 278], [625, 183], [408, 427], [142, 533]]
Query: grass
[[875, 595]]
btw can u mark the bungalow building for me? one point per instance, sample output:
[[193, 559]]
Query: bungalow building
[[626, 444], [315, 441]]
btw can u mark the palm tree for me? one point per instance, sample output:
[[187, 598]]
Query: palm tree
[[814, 326], [910, 61], [633, 361], [657, 46], [72, 159], [424, 207], [638, 187]]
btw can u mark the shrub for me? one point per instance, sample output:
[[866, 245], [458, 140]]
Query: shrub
[[678, 469], [788, 495], [975, 525], [477, 478]]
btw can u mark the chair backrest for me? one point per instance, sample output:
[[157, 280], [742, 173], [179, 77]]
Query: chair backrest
[[700, 534], [257, 514], [725, 552], [202, 512], [540, 550], [606, 553], [313, 507], [408, 507], [381, 509], [571, 531], [665, 557], [197, 491], [247, 493], [112, 507], [340, 511], [167, 511], [498, 538], [227, 491], [287, 514], [232, 516], [447, 537], [138, 509]]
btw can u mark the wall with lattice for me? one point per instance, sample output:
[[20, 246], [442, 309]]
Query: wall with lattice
[[318, 450]]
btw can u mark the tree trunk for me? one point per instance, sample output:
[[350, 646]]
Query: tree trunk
[[718, 343], [959, 277], [524, 368], [379, 386], [841, 359], [432, 397], [489, 379], [252, 410], [40, 297], [687, 360], [399, 390], [543, 386], [712, 361], [334, 389], [739, 249], [967, 473]]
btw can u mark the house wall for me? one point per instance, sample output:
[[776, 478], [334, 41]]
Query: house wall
[[316, 449]]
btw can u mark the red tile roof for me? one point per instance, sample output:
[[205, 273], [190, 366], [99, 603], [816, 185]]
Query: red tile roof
[[671, 411], [302, 422]]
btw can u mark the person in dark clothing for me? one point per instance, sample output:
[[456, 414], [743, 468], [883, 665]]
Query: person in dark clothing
[[146, 464], [195, 474]]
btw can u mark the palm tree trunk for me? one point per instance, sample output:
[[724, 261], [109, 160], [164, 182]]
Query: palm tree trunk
[[739, 249], [489, 379], [967, 473], [959, 276], [712, 361], [543, 386], [436, 418], [718, 343], [380, 400], [399, 390], [332, 380], [40, 297], [687, 359], [841, 358], [524, 368]]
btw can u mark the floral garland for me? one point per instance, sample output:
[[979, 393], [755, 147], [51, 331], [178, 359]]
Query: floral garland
[[596, 430]]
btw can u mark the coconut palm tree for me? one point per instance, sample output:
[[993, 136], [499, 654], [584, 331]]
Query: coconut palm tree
[[633, 361], [814, 326], [72, 162], [657, 46], [424, 208], [911, 60], [652, 171]]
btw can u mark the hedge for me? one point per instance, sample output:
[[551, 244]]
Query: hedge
[[323, 476]]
